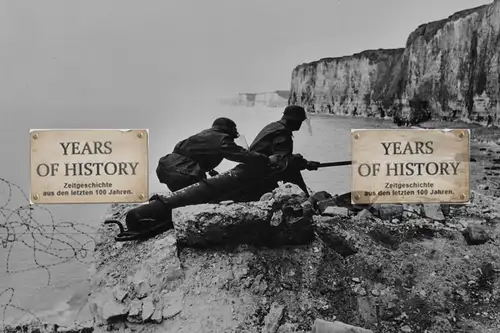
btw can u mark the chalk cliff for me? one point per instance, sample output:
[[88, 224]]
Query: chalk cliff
[[448, 70], [277, 98], [355, 85]]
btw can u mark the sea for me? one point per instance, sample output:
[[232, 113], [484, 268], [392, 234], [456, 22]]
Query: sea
[[46, 249]]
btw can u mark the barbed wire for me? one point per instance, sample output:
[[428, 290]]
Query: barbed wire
[[48, 242]]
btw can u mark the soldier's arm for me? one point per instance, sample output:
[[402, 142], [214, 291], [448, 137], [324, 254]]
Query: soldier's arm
[[231, 151], [283, 146]]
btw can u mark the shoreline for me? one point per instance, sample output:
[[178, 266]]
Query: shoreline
[[484, 149], [484, 154]]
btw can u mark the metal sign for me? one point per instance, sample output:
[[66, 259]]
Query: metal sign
[[89, 166], [410, 166]]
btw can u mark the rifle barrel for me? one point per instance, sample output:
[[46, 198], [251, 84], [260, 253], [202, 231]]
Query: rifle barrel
[[330, 164]]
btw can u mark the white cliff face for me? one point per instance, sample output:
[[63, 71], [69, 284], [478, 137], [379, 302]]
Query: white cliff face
[[356, 85], [270, 99], [449, 69], [454, 65], [278, 98]]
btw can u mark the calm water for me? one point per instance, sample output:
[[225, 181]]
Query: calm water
[[57, 292]]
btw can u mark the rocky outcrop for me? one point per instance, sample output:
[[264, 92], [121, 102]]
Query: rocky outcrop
[[449, 70], [387, 269], [355, 85], [277, 98], [277, 222]]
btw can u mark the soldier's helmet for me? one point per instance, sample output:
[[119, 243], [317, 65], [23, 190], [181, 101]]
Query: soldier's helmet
[[226, 125], [294, 112]]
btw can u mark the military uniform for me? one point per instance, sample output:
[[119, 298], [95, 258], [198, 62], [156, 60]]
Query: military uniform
[[246, 182], [275, 139], [193, 157]]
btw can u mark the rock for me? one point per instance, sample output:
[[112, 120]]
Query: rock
[[271, 321], [266, 197], [135, 313], [287, 191], [323, 326], [157, 316], [148, 266], [483, 187], [387, 212], [289, 328], [406, 329], [259, 285], [319, 196], [412, 211], [148, 308], [433, 211], [172, 303], [446, 209], [340, 211], [277, 218], [257, 223], [104, 308], [363, 215], [336, 235], [239, 272], [120, 293], [307, 208], [324, 204], [476, 234]]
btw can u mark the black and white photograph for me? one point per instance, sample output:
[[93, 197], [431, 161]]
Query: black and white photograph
[[250, 166]]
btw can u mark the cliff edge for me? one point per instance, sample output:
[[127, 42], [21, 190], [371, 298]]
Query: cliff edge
[[448, 70], [277, 98]]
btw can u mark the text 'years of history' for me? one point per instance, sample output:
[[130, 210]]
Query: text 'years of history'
[[109, 168]]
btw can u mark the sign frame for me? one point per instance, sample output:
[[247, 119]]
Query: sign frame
[[141, 133], [357, 194]]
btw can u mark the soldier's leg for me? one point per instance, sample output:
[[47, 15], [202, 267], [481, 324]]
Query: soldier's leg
[[175, 180], [141, 216]]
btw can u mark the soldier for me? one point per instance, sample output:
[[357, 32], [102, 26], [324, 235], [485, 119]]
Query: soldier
[[245, 182], [201, 153]]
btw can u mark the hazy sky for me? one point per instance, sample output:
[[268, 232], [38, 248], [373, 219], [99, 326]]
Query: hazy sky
[[133, 52]]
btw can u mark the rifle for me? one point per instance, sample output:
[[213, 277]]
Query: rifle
[[331, 164]]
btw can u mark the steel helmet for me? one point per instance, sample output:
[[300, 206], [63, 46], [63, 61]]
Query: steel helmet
[[294, 112], [227, 125]]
